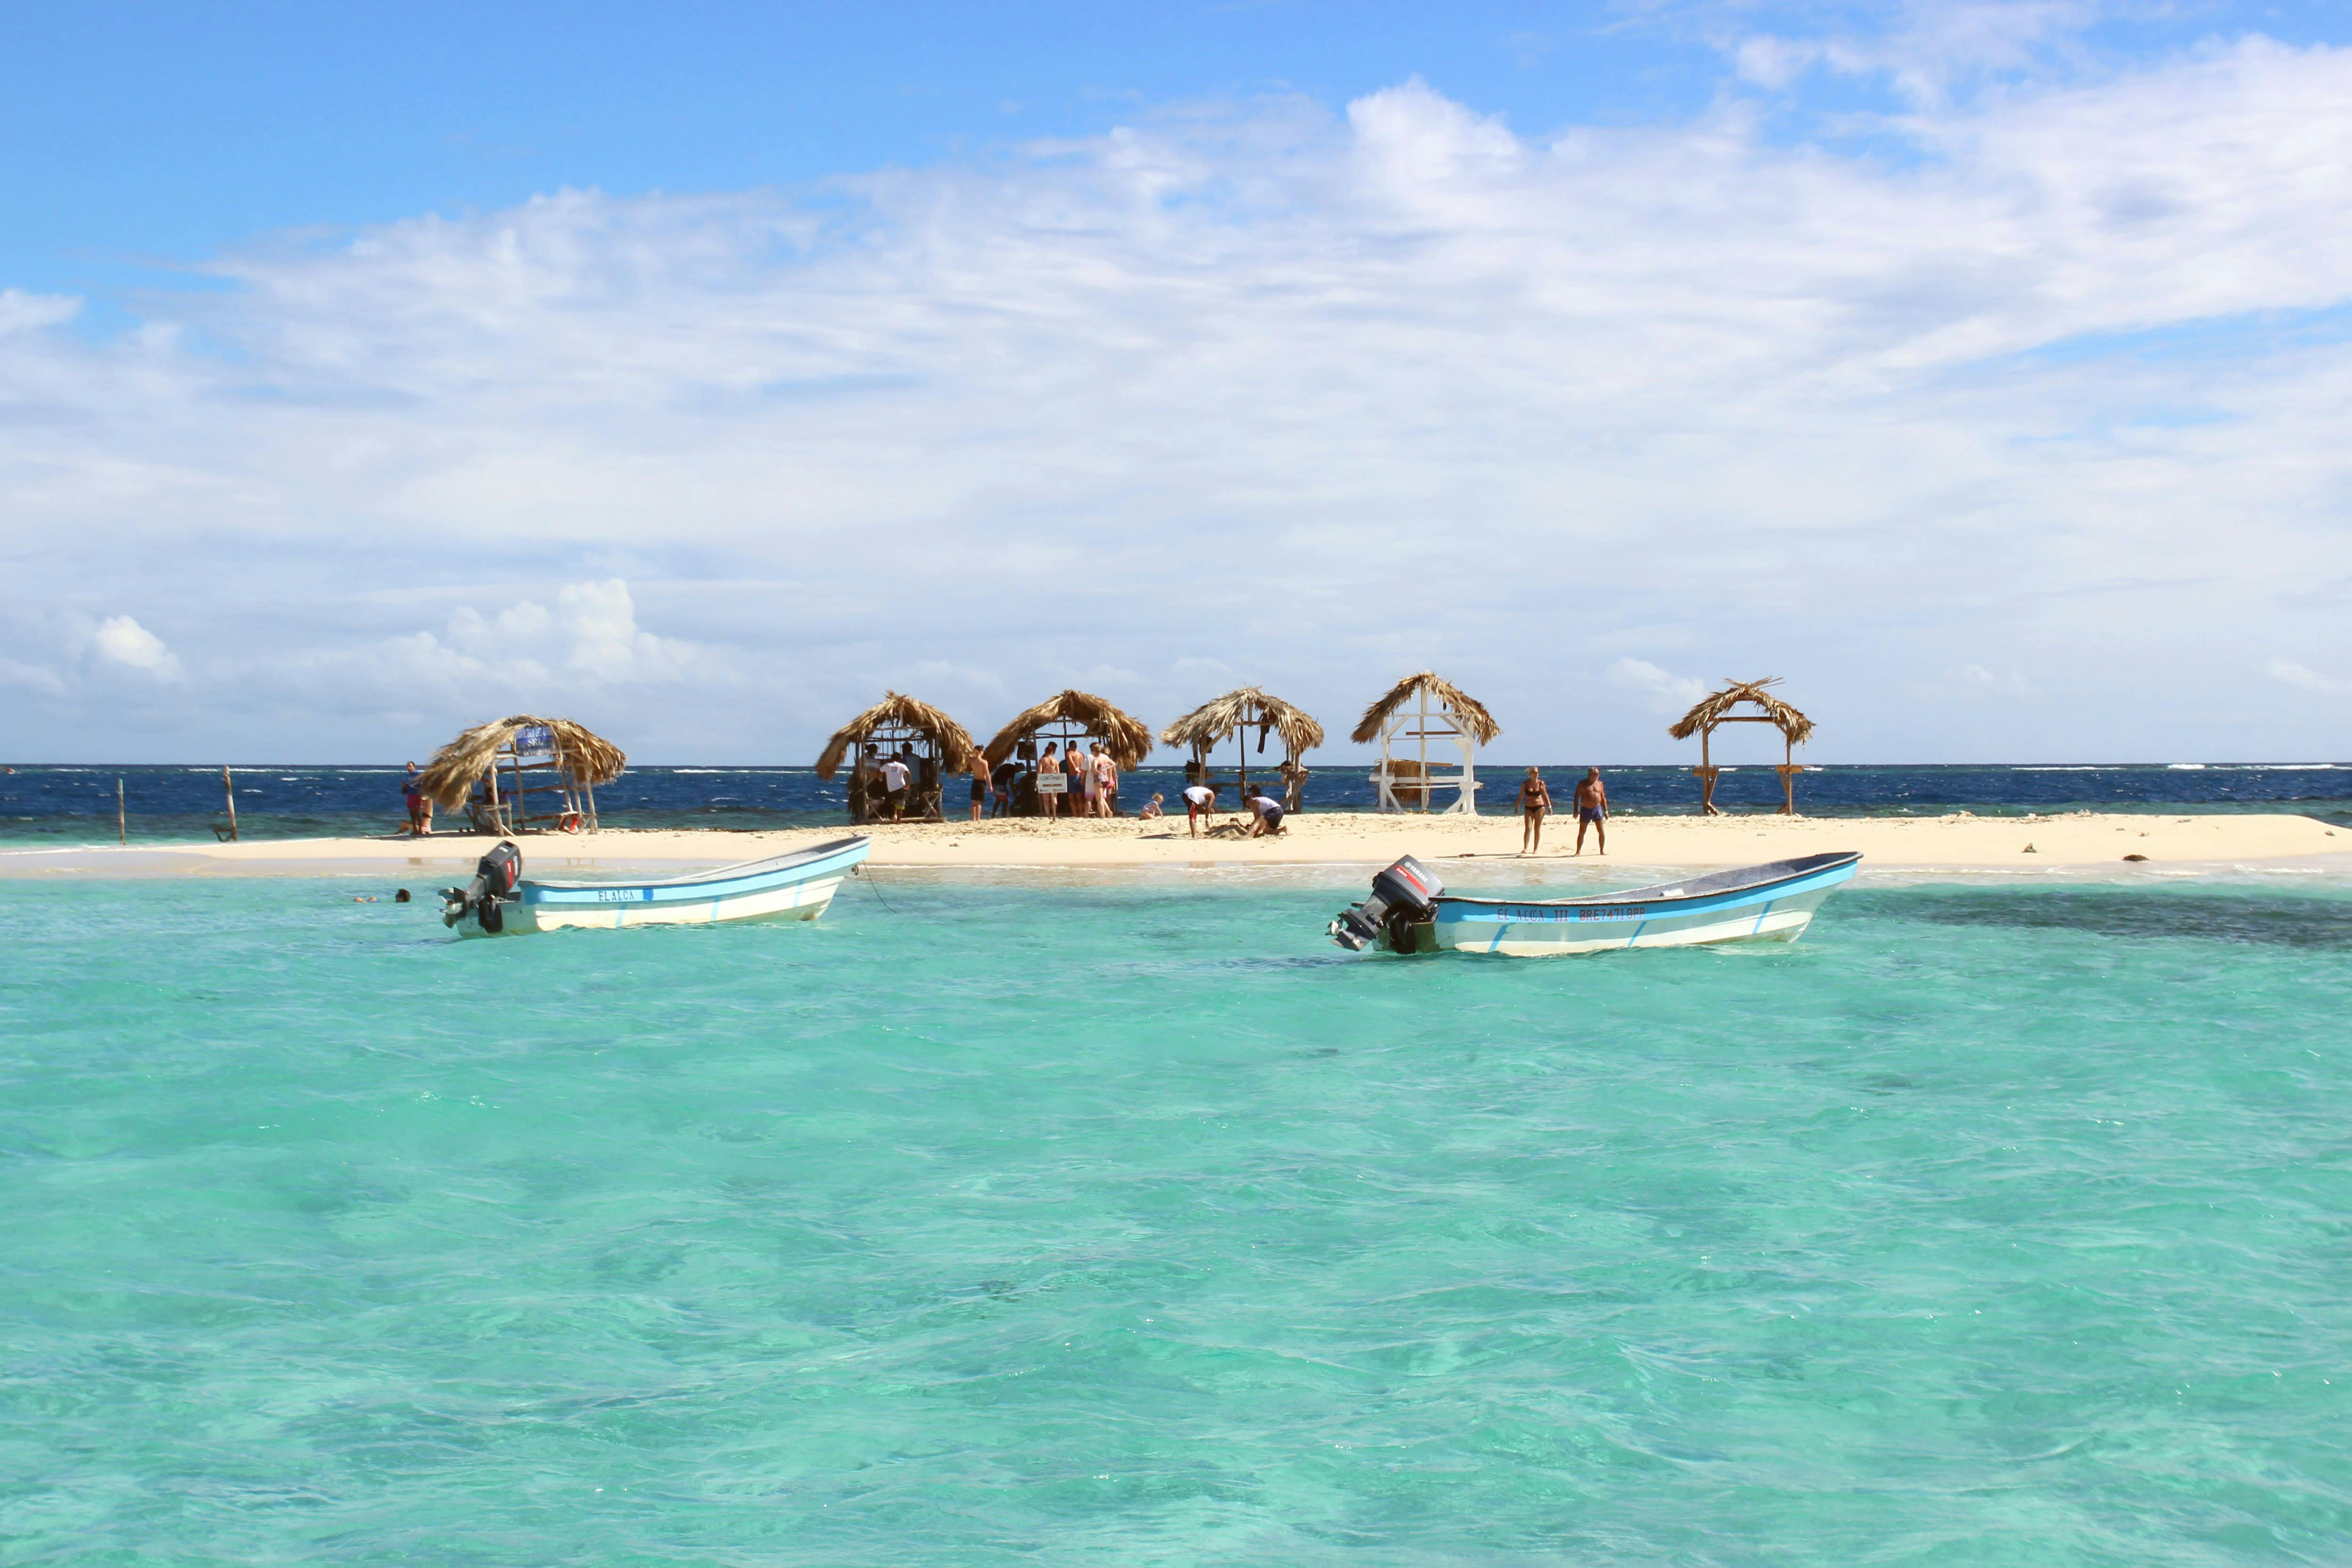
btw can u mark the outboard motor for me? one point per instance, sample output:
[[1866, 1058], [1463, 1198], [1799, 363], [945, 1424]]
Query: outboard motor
[[1403, 897], [495, 877]]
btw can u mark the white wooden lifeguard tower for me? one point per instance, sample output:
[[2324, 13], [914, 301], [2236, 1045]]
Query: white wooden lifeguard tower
[[1418, 709]]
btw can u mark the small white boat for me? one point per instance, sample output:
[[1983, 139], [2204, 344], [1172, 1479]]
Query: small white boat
[[1410, 911], [788, 887]]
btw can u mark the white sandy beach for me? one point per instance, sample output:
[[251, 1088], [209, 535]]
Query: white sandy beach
[[1954, 843]]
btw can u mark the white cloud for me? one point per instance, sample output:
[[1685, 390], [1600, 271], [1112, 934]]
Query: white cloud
[[1660, 691], [20, 312], [1314, 398], [2287, 672], [37, 677], [123, 641], [589, 641]]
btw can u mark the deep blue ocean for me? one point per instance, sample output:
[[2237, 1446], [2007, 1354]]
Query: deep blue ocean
[[77, 804], [1100, 1219]]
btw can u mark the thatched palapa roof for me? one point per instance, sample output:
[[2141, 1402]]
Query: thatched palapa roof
[[1217, 719], [455, 768], [1470, 715], [1128, 737], [955, 747], [1713, 709]]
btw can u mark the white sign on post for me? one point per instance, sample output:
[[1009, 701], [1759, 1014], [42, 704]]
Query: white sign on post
[[1053, 784]]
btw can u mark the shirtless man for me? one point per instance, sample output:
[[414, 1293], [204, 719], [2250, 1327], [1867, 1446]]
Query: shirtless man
[[1534, 804], [1592, 810], [1051, 763]]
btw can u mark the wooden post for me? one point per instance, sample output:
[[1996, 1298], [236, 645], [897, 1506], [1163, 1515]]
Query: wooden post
[[121, 823], [1424, 742], [228, 788]]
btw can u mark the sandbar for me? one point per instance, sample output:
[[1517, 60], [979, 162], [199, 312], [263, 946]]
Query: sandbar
[[1958, 842]]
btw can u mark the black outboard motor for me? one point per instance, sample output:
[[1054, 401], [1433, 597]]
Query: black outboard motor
[[1403, 897], [495, 877]]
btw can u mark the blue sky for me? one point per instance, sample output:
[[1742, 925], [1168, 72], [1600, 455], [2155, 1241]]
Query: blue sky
[[706, 368], [144, 137]]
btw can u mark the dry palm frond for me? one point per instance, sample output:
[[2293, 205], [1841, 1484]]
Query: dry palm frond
[[954, 746], [1128, 738], [1470, 715], [1711, 710], [587, 757], [1246, 709]]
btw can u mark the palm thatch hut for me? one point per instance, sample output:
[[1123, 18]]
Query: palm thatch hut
[[1404, 714], [558, 760], [931, 744], [1068, 720], [1717, 709], [1233, 716]]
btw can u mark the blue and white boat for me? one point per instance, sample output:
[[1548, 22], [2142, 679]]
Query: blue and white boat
[[797, 887], [1410, 911]]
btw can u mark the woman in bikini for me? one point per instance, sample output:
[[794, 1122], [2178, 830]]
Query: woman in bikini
[[1105, 782], [1535, 801]]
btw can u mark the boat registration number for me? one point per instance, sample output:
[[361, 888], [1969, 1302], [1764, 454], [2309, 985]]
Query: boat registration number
[[1531, 915], [624, 895]]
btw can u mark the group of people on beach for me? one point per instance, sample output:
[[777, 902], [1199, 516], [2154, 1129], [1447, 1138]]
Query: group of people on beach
[[1592, 811], [1082, 784]]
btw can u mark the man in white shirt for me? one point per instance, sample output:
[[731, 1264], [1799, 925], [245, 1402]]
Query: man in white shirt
[[894, 775], [1268, 811], [1198, 799]]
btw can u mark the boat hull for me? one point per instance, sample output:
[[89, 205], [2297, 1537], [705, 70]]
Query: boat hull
[[1757, 904], [795, 886]]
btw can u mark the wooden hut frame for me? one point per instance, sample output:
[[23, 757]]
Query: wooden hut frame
[[1068, 720], [556, 760], [1233, 716], [1405, 715], [936, 745], [1716, 709]]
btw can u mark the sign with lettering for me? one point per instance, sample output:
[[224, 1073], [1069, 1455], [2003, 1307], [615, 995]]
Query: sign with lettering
[[534, 741], [1053, 784]]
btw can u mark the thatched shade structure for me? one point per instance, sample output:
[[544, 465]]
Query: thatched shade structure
[[1719, 708], [1077, 715], [570, 759], [934, 744], [1404, 714], [1234, 716]]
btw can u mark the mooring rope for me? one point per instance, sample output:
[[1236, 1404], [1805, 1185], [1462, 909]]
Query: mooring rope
[[863, 876]]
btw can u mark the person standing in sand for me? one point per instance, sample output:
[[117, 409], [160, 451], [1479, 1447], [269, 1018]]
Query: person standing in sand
[[1049, 804], [1106, 782], [1535, 804], [1592, 810], [895, 775], [414, 798], [1198, 798], [979, 784]]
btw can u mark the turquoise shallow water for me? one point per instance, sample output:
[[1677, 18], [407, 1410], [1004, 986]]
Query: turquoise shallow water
[[1130, 1222]]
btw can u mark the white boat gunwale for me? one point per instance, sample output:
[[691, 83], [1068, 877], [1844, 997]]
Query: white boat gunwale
[[1772, 881], [700, 886]]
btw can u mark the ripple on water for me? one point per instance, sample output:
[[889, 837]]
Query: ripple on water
[[1092, 1224]]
